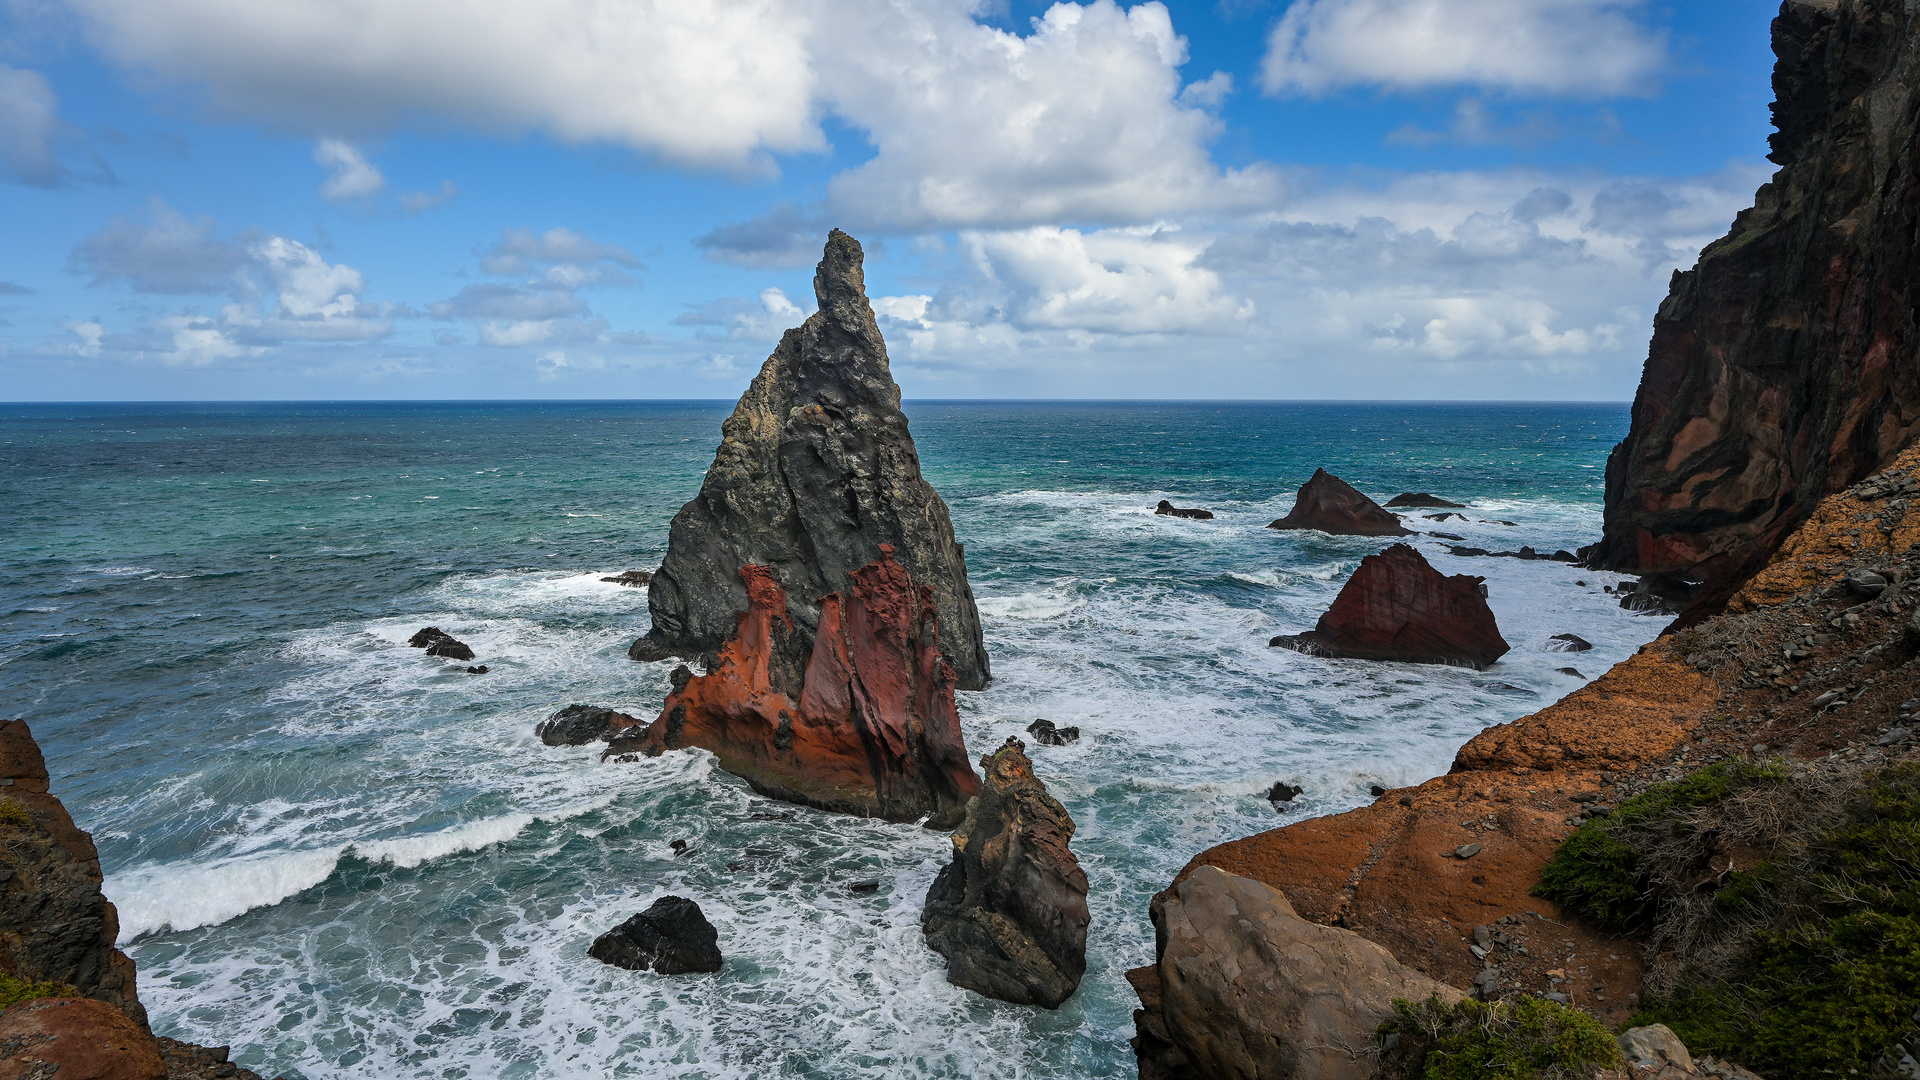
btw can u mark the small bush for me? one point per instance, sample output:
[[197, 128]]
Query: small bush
[[15, 990], [14, 812], [1528, 1039]]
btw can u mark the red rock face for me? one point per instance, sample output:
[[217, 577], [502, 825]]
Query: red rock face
[[1331, 505], [77, 1038], [1781, 368], [874, 731], [1397, 607]]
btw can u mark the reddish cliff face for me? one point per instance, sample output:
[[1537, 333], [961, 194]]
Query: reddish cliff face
[[1332, 505], [1781, 367], [1397, 607], [873, 731]]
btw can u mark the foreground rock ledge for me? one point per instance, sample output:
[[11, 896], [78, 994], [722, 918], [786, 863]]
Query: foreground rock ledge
[[1398, 607], [1010, 911], [1243, 987], [1332, 505], [872, 728], [815, 471]]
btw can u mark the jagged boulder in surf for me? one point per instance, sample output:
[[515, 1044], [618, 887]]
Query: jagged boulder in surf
[[1010, 911], [578, 725], [871, 728], [815, 471], [1332, 505], [1167, 509], [673, 937], [1398, 607]]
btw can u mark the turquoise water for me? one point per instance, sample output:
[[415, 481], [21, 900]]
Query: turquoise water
[[350, 860]]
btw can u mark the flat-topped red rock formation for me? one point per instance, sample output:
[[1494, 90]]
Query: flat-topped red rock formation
[[1398, 607], [874, 730], [1331, 505]]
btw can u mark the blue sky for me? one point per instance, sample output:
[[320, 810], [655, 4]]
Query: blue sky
[[1417, 199]]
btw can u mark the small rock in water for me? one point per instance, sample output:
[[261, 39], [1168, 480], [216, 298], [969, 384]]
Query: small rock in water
[[1568, 643], [1282, 791], [427, 635], [1167, 509], [1421, 498], [480, 669], [1466, 851], [1377, 790], [1575, 672], [1446, 536], [864, 887], [578, 725], [438, 642], [679, 847], [672, 937], [1045, 733], [632, 579]]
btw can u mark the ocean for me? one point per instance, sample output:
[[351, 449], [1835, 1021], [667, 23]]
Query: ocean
[[351, 860]]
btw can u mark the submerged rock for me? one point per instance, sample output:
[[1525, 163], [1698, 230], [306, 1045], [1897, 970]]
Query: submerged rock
[[1241, 986], [815, 472], [871, 728], [672, 937], [1397, 607], [1168, 509], [633, 579], [1422, 499], [438, 642], [578, 725], [1010, 911], [1568, 643], [1283, 792], [1331, 505], [1046, 734]]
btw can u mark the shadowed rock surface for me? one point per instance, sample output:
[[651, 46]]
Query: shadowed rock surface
[[578, 725], [814, 472], [672, 937], [1332, 505], [1421, 498], [870, 728], [1397, 607], [1781, 366], [1010, 911], [1243, 988], [1167, 509]]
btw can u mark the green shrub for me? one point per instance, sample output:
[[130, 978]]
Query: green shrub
[[14, 812], [1528, 1039], [14, 990]]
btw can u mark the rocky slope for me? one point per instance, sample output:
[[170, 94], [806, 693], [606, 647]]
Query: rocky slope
[[1010, 911], [869, 727], [57, 930], [1781, 367], [815, 471], [1398, 607], [1810, 660]]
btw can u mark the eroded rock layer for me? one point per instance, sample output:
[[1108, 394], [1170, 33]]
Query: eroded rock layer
[[815, 471], [869, 727], [1332, 505], [1398, 607], [1781, 367], [1010, 911]]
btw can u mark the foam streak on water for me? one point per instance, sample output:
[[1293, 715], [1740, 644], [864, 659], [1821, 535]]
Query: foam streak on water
[[351, 860]]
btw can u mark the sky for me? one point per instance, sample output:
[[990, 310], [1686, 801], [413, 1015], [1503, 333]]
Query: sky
[[1234, 199]]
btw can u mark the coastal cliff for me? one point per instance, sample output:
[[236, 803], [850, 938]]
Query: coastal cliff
[[815, 471], [1781, 366]]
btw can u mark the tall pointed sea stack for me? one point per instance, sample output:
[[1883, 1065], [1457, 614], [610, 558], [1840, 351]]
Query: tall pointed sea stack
[[815, 471], [1781, 368]]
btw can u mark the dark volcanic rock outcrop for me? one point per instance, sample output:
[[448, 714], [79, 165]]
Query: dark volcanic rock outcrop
[[1331, 505], [1397, 607], [1421, 498], [673, 937], [870, 728], [578, 725], [815, 471], [1781, 367], [1010, 911], [1167, 509], [438, 642]]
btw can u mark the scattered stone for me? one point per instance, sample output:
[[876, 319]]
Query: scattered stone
[[1010, 911], [672, 937], [816, 471], [578, 725], [1046, 734], [1654, 1047], [1483, 936], [1894, 737], [633, 579], [1422, 499], [480, 669], [1331, 505], [1466, 851], [1281, 791], [1568, 643], [1406, 800], [1826, 699], [1561, 998], [1167, 509], [1376, 790], [1398, 607], [1866, 583]]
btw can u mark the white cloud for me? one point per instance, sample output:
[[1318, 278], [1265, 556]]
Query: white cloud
[[1111, 281], [1580, 47], [350, 174], [29, 127], [730, 319], [419, 202], [543, 305]]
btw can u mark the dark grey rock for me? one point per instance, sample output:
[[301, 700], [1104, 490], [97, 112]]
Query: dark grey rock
[[1466, 851], [1167, 509], [578, 725], [672, 937], [1568, 643], [1045, 733], [815, 470], [633, 579], [1575, 672], [451, 649], [1281, 792], [1376, 791], [1866, 583], [426, 636], [1894, 737]]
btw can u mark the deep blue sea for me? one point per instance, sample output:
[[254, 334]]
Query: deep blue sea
[[351, 860]]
